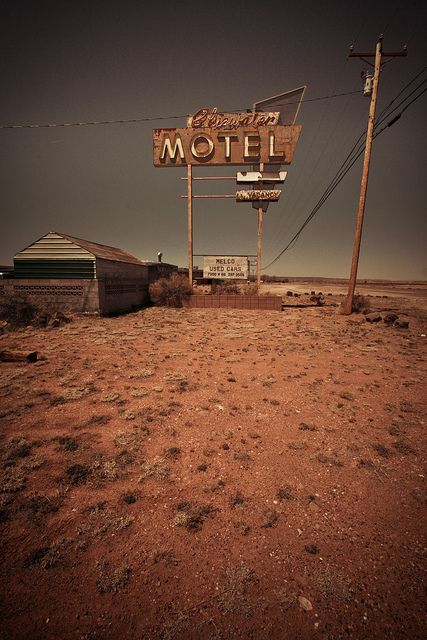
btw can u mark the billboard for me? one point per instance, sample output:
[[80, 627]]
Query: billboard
[[225, 267]]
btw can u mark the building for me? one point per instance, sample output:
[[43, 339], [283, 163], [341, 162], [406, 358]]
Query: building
[[65, 272]]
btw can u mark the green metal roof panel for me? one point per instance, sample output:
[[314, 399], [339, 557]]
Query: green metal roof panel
[[55, 269]]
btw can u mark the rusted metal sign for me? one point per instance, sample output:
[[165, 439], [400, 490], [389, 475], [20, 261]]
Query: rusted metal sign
[[273, 144], [225, 267], [272, 177], [287, 104], [258, 195], [211, 118]]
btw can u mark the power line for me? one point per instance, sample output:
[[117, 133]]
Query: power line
[[392, 17], [403, 90], [389, 112], [87, 124], [290, 192], [358, 149], [342, 173], [148, 119], [382, 116]]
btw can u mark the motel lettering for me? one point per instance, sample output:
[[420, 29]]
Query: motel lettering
[[268, 144]]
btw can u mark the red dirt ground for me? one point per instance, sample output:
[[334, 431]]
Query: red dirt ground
[[183, 474]]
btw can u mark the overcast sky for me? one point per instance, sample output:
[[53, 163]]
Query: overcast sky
[[101, 60]]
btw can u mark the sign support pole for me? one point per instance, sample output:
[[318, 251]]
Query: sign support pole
[[190, 222], [259, 249]]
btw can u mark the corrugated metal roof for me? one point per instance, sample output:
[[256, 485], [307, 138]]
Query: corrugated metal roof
[[41, 268], [56, 245]]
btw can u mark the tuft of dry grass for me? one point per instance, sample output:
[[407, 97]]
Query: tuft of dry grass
[[100, 522], [192, 517], [111, 579], [155, 468], [39, 506], [47, 557], [233, 596], [12, 480]]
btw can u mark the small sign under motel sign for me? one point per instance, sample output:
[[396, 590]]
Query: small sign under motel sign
[[274, 144], [258, 195], [225, 267]]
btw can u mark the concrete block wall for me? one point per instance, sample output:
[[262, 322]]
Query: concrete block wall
[[73, 295], [148, 272], [119, 270], [117, 295]]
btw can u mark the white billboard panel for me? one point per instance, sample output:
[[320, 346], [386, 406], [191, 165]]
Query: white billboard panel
[[225, 267]]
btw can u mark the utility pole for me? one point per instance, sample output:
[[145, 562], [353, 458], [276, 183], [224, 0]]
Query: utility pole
[[378, 55]]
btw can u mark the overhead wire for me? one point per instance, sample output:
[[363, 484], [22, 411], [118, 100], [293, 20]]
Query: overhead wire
[[352, 157], [147, 119], [359, 145], [417, 75], [392, 17], [291, 189], [309, 195]]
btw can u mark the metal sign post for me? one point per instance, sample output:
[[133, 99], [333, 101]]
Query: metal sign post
[[259, 245], [190, 222]]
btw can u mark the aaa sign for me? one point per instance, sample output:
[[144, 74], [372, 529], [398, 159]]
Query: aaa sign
[[207, 146]]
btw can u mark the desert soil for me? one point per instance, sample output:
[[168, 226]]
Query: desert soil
[[184, 474]]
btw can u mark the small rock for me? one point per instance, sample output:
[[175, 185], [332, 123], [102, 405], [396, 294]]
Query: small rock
[[304, 603], [304, 426], [311, 548], [3, 326], [390, 317], [373, 317], [401, 324]]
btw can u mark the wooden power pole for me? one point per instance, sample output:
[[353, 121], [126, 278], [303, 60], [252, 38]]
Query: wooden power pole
[[378, 55]]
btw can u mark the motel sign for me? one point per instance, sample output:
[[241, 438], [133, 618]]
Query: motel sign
[[265, 136], [218, 145]]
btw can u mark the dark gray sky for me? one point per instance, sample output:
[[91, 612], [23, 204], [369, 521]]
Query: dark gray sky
[[101, 60]]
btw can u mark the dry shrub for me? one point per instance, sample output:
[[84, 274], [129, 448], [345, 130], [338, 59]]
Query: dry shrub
[[360, 303], [170, 292], [250, 289], [19, 312], [225, 287]]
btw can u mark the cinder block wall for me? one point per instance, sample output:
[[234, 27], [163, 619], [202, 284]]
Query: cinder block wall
[[118, 287], [116, 295], [120, 270], [73, 295]]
